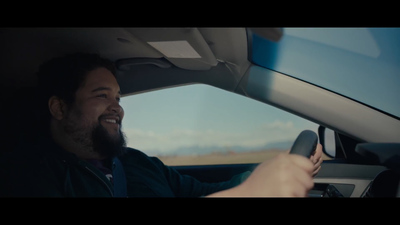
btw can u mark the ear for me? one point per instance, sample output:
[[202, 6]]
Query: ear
[[56, 107]]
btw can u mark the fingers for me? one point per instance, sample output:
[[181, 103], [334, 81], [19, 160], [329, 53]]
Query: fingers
[[316, 159], [317, 167], [318, 151], [302, 162], [290, 175], [303, 176]]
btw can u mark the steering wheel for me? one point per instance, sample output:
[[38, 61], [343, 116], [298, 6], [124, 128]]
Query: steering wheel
[[305, 143]]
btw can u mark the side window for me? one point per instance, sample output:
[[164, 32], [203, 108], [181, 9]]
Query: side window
[[200, 124]]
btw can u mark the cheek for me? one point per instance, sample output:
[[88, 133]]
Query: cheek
[[92, 112]]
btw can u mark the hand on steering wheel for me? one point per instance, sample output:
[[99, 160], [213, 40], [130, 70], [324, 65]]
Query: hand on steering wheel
[[286, 175], [305, 143]]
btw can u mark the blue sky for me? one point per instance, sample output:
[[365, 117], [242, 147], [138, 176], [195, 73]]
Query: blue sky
[[202, 115]]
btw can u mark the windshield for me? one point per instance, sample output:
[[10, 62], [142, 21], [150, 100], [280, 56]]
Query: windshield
[[359, 63]]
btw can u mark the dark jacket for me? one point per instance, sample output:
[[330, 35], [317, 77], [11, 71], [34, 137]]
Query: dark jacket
[[46, 170]]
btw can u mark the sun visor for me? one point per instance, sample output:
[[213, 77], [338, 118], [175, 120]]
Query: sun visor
[[183, 47], [127, 64]]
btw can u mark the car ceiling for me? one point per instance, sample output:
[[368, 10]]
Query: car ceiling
[[24, 49]]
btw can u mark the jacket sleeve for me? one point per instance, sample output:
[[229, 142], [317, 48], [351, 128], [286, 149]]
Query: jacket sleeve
[[187, 186], [149, 177]]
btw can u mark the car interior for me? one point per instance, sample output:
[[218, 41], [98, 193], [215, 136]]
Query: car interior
[[366, 162]]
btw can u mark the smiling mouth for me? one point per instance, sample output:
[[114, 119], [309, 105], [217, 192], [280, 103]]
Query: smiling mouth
[[108, 119], [111, 124]]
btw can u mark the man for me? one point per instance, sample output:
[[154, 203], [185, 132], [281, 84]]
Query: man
[[80, 150]]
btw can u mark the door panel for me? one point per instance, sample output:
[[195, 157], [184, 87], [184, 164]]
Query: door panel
[[351, 180]]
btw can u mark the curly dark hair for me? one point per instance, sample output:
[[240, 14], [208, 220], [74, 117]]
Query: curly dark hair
[[62, 76]]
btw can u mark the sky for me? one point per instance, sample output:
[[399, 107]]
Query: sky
[[202, 115]]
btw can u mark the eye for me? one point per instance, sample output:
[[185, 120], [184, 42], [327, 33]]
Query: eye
[[102, 96]]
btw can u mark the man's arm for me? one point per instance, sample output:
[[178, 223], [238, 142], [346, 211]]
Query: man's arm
[[188, 186], [285, 175]]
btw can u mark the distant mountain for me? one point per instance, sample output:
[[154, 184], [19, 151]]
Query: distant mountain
[[198, 150]]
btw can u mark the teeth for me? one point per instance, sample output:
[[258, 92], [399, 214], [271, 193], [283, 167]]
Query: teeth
[[110, 120]]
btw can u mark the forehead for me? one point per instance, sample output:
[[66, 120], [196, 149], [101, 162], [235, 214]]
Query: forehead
[[100, 77]]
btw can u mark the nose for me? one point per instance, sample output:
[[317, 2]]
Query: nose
[[116, 108]]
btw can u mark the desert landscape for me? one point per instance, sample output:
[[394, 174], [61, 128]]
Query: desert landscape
[[222, 158]]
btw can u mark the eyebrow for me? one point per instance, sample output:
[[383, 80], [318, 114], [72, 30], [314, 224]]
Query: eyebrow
[[103, 88]]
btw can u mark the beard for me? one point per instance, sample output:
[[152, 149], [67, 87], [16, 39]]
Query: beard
[[96, 137], [105, 144]]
